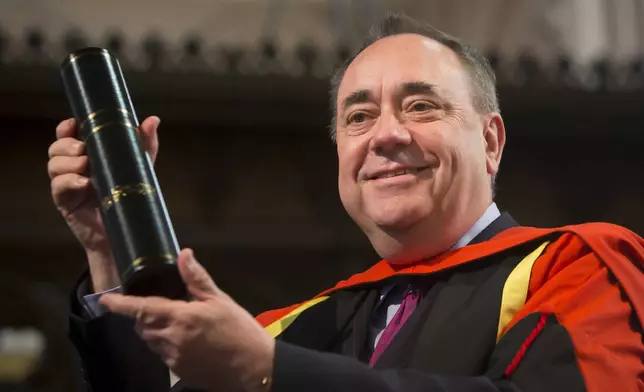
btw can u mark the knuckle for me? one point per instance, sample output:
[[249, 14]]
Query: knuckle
[[186, 318], [57, 184], [54, 163], [51, 169], [78, 163], [66, 165], [61, 184], [62, 124], [178, 340], [183, 317], [52, 149], [67, 146]]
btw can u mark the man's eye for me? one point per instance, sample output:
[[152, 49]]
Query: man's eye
[[421, 107], [357, 118]]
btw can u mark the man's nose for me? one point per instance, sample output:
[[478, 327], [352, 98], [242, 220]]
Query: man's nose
[[390, 134]]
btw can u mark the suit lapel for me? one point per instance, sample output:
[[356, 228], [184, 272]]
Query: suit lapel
[[354, 344]]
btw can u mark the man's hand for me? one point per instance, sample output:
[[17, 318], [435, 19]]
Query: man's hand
[[211, 342], [75, 198]]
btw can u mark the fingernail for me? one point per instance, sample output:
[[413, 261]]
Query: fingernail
[[83, 181]]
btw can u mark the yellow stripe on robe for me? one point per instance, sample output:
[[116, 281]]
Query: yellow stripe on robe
[[515, 289], [277, 327]]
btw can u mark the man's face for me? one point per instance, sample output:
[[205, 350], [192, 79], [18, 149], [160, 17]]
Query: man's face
[[415, 157]]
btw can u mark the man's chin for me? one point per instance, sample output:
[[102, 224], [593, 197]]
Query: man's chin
[[403, 242], [396, 214], [395, 222], [395, 248]]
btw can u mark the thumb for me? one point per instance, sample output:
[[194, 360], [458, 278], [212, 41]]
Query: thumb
[[194, 275], [149, 128]]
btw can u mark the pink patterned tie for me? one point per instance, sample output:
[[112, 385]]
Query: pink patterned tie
[[407, 306]]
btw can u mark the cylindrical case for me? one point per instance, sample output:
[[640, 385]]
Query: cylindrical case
[[132, 206]]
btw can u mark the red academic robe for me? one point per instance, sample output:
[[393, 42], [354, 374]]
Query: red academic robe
[[582, 281]]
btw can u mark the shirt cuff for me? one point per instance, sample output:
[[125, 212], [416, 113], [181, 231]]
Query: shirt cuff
[[94, 308]]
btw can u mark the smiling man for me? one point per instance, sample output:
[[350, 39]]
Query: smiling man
[[464, 299], [417, 146]]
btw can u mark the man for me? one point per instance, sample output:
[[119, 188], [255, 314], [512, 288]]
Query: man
[[463, 300]]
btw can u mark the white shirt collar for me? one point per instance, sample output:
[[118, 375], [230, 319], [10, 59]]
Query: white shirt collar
[[484, 221]]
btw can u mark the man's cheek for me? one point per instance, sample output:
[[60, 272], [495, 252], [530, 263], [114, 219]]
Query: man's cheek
[[352, 197]]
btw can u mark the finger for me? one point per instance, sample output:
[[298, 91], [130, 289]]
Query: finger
[[70, 189], [67, 146], [126, 305], [150, 333], [194, 275], [152, 321], [157, 340], [66, 128], [59, 165], [130, 306], [149, 132], [160, 346]]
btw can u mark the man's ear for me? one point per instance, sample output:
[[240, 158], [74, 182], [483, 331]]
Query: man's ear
[[494, 141]]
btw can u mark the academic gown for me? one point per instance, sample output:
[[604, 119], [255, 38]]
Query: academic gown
[[519, 309]]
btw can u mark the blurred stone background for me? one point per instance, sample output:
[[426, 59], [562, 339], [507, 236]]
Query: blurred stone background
[[246, 166]]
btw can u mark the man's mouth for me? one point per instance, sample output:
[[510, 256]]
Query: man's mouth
[[399, 173]]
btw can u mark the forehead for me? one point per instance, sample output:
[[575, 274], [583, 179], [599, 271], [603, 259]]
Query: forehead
[[394, 60]]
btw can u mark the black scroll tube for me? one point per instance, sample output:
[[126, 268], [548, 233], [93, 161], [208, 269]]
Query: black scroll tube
[[138, 226]]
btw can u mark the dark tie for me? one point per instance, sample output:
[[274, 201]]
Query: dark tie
[[407, 306]]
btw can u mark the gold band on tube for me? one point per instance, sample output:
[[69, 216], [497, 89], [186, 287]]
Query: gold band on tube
[[120, 191], [139, 260], [97, 112], [99, 127]]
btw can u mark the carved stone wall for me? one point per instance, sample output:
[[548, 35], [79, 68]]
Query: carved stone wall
[[584, 32]]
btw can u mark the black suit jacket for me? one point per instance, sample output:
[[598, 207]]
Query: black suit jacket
[[448, 344]]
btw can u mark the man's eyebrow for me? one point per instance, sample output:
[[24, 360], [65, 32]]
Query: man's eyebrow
[[407, 88], [358, 96], [419, 87]]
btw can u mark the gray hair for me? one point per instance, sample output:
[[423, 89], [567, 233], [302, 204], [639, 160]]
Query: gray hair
[[481, 74]]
